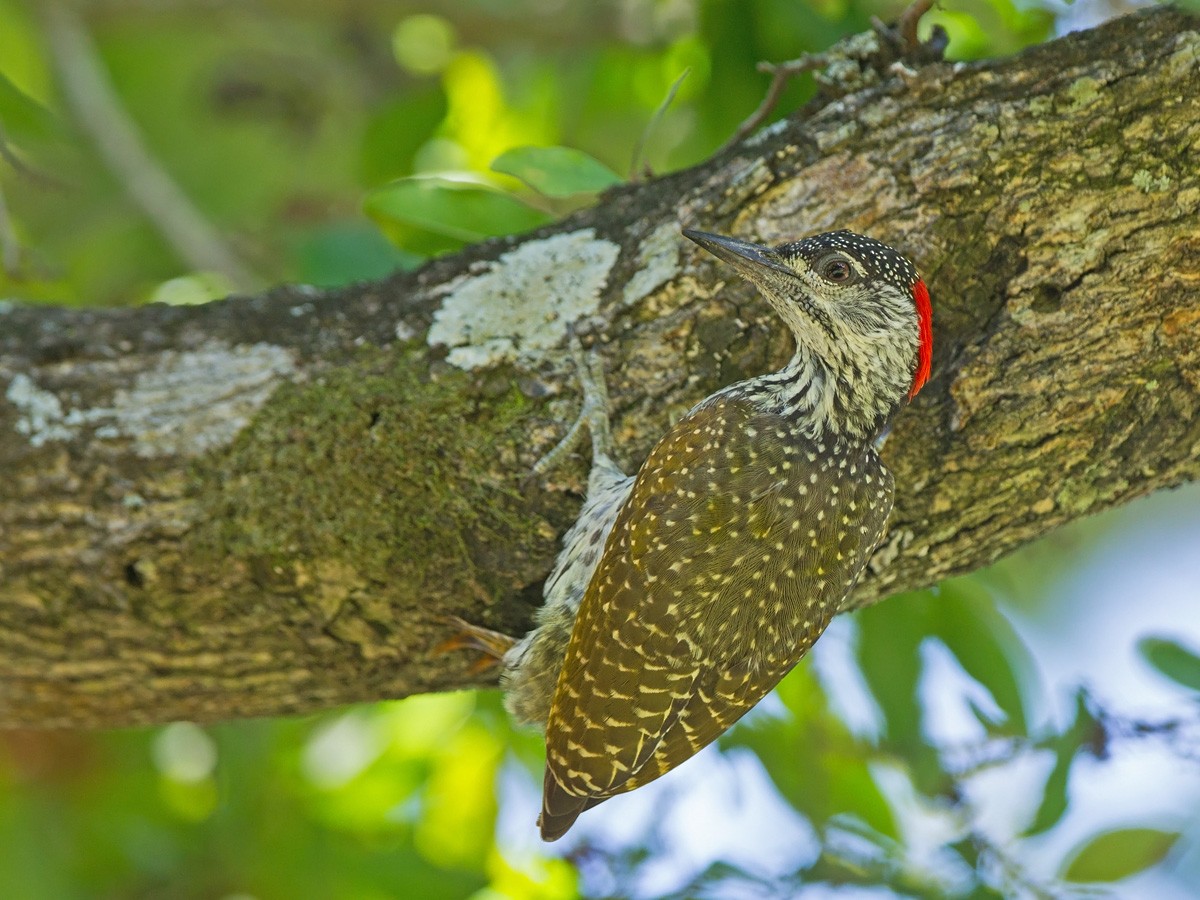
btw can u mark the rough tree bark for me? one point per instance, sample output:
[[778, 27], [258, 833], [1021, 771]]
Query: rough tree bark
[[261, 506]]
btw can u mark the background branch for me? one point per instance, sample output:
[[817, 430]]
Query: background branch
[[100, 114]]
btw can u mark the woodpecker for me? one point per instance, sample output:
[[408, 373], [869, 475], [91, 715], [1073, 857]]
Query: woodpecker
[[683, 594]]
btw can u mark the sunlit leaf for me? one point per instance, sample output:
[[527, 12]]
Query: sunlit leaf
[[537, 878], [433, 215], [1172, 659], [422, 724], [192, 290], [1114, 855], [190, 801], [456, 828], [556, 171], [985, 645]]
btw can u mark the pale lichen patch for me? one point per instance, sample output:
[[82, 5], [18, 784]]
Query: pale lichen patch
[[1147, 183], [194, 402], [658, 263], [521, 307], [1083, 92], [1186, 58], [184, 405], [40, 413], [766, 133]]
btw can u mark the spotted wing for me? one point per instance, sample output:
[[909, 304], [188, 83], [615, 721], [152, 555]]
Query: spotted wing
[[710, 588]]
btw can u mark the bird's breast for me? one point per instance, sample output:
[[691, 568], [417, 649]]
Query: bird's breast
[[745, 535]]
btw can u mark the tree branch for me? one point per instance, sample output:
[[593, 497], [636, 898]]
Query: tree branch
[[262, 505]]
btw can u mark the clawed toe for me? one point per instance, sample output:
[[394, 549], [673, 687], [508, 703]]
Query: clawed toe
[[589, 370], [492, 645]]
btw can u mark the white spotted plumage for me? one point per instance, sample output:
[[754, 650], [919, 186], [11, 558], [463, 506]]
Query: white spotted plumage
[[726, 556]]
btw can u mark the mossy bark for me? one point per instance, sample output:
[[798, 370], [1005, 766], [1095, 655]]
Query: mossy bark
[[290, 542]]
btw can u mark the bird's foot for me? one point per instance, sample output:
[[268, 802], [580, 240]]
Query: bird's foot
[[593, 415], [491, 645]]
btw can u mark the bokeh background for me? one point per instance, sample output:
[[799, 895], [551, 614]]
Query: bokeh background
[[1030, 731]]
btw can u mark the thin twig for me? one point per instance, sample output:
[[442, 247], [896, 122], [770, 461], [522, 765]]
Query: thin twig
[[781, 73], [903, 33], [99, 112], [636, 162], [1013, 872], [906, 25]]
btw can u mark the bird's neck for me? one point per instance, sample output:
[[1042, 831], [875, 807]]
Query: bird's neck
[[821, 403]]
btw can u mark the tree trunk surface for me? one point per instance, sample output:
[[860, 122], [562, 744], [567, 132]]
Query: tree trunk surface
[[262, 506]]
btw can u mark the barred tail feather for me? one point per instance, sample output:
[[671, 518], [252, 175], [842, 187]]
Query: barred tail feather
[[560, 809]]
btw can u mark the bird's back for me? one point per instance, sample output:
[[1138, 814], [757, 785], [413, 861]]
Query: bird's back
[[737, 544]]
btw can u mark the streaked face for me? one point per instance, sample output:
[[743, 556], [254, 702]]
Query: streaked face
[[854, 301]]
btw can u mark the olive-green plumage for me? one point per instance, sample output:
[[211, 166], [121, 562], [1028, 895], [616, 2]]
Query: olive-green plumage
[[691, 589], [738, 542]]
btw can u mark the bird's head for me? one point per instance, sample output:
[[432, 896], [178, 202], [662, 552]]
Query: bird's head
[[852, 302]]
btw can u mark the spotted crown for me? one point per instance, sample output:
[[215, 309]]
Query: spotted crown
[[878, 259]]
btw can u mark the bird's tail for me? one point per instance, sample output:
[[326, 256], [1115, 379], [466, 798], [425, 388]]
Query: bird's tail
[[560, 809]]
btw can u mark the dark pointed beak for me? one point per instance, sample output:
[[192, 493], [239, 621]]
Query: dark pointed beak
[[754, 261]]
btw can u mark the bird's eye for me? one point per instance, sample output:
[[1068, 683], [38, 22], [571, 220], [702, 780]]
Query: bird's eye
[[837, 270]]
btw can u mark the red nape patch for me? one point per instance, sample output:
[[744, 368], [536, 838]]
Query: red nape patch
[[925, 334]]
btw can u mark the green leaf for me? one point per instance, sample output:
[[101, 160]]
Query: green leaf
[[23, 116], [1080, 735], [340, 253], [1054, 796], [889, 656], [852, 790], [985, 645], [396, 132], [434, 215], [556, 171], [1172, 659], [1118, 854], [889, 640]]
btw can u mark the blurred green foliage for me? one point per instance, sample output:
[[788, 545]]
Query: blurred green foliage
[[333, 142], [279, 119], [1173, 660], [1117, 854]]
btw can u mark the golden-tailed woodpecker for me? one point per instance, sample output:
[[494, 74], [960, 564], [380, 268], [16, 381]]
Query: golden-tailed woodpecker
[[685, 593]]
